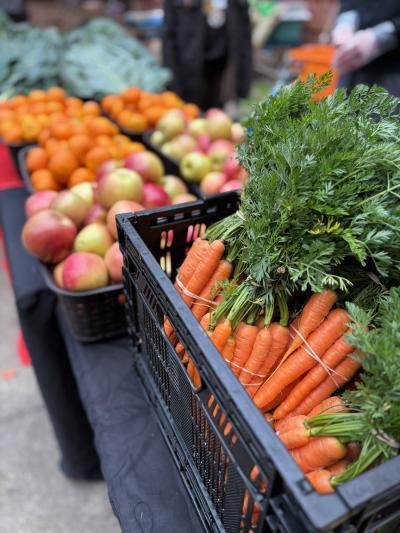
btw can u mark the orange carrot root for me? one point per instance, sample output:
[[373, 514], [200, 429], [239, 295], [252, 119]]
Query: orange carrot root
[[320, 452], [320, 480]]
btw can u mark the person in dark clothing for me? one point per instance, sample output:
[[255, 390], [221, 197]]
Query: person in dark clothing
[[367, 38], [207, 45]]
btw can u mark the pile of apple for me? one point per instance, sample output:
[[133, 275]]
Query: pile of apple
[[204, 148], [75, 230]]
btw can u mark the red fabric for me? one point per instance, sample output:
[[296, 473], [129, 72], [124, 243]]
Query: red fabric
[[9, 178], [23, 354]]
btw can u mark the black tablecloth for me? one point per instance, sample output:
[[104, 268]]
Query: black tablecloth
[[144, 486]]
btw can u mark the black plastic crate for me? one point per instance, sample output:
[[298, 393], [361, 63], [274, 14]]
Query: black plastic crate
[[94, 315], [15, 149], [217, 454]]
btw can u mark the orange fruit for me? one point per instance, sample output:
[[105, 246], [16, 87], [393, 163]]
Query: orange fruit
[[96, 156], [124, 118], [191, 111], [80, 175], [138, 122], [43, 180], [121, 139], [154, 113], [6, 114], [61, 130], [116, 107], [131, 95], [38, 107], [123, 150], [11, 133], [21, 110], [78, 127], [91, 108], [103, 140], [54, 107], [101, 126], [80, 145], [17, 100], [57, 117], [44, 136], [73, 101], [107, 101], [146, 101], [62, 164], [37, 96], [56, 94], [42, 120], [36, 159], [171, 100], [52, 145]]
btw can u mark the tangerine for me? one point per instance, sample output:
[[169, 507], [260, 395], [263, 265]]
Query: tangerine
[[153, 114], [116, 107], [91, 108], [108, 100], [37, 95], [96, 156], [80, 175], [36, 159], [11, 133], [131, 95], [101, 126], [103, 140], [54, 107], [56, 94], [123, 150], [43, 180], [121, 139], [17, 100], [62, 164], [73, 101], [80, 145], [191, 111], [44, 136], [61, 130]]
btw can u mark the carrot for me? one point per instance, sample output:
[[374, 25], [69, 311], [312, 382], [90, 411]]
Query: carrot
[[343, 373], [300, 361], [281, 396], [279, 343], [203, 272], [180, 349], [292, 422], [320, 452], [320, 480], [221, 334], [258, 354], [295, 438], [312, 316], [353, 451], [339, 468], [194, 374], [331, 358], [229, 349], [223, 272], [268, 418], [333, 404], [245, 336], [293, 327], [205, 324]]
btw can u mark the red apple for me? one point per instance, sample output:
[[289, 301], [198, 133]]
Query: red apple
[[184, 198], [108, 167], [39, 200], [83, 271], [123, 206], [94, 238], [219, 126], [243, 175], [219, 152], [49, 235], [96, 213], [121, 184], [231, 167], [71, 205], [212, 182], [147, 165], [173, 186], [154, 196], [114, 261], [204, 143], [232, 185], [213, 111], [58, 273]]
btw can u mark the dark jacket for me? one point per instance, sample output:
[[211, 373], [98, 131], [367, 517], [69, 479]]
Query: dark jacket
[[385, 70], [184, 47]]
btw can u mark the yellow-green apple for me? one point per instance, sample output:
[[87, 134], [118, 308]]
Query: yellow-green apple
[[96, 213], [197, 127], [157, 138], [212, 182], [195, 166], [93, 238], [147, 165], [237, 133], [39, 200], [154, 196], [185, 142], [219, 126], [121, 184], [123, 206], [57, 274], [108, 167], [114, 261], [84, 271], [183, 198], [232, 185], [171, 124], [219, 152], [173, 185], [85, 190], [72, 205], [49, 235]]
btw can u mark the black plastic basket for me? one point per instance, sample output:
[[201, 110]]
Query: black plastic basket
[[15, 149], [217, 453], [21, 166], [94, 315]]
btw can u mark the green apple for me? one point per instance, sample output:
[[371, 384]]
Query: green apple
[[198, 127], [157, 138], [195, 166], [171, 124]]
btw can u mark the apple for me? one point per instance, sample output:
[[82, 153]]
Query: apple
[[243, 176], [173, 186], [154, 196], [237, 133], [186, 142], [147, 165], [213, 111], [219, 126], [172, 150], [49, 235], [195, 166], [232, 167], [108, 167], [39, 200], [121, 184], [85, 190], [123, 206], [114, 261], [94, 238], [198, 127], [157, 138], [212, 182], [58, 273], [232, 185], [171, 124], [219, 152], [96, 213], [184, 198], [204, 143], [83, 271], [72, 205]]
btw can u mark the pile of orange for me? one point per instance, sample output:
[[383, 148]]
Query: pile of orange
[[23, 117], [71, 149], [136, 110]]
